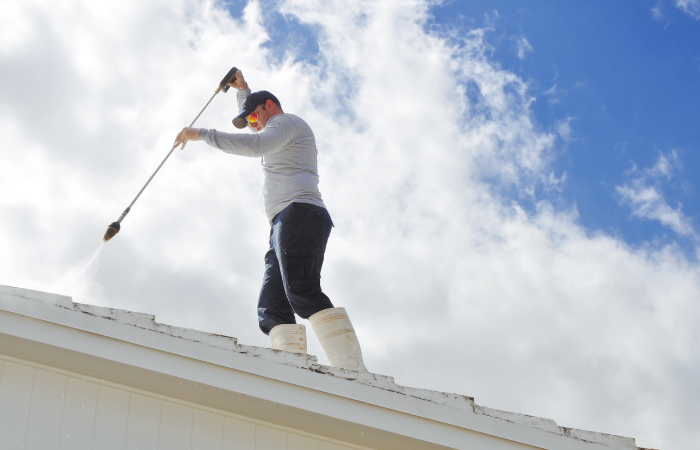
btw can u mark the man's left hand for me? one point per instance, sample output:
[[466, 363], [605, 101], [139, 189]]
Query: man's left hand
[[187, 134]]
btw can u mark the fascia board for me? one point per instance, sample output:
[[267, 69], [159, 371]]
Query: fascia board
[[204, 393], [274, 382], [199, 379]]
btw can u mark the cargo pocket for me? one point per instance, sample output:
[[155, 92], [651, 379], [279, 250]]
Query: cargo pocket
[[303, 272]]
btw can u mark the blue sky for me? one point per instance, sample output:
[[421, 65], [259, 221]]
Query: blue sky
[[629, 81], [624, 76]]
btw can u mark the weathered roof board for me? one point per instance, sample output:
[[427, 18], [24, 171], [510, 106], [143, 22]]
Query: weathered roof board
[[82, 376]]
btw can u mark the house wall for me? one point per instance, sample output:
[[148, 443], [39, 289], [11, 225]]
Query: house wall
[[55, 358], [43, 408]]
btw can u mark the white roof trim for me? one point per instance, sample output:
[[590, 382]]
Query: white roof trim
[[275, 375]]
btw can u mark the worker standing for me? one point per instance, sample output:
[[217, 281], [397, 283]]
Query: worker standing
[[299, 225]]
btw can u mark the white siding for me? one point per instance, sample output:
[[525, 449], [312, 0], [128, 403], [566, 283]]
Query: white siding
[[270, 439], [45, 409], [295, 442], [175, 427], [78, 415], [15, 398], [208, 432], [144, 423], [111, 419], [239, 435], [329, 446]]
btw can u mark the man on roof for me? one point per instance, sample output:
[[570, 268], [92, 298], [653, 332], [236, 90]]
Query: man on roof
[[299, 225]]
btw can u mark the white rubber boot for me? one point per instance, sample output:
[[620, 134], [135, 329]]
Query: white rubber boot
[[290, 337], [338, 338]]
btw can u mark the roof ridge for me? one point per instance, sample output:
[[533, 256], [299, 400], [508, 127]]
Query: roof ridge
[[310, 362]]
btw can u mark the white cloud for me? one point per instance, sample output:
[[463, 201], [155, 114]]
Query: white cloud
[[649, 203], [657, 12], [451, 286], [643, 194], [555, 94], [524, 48], [690, 7], [664, 166], [564, 129]]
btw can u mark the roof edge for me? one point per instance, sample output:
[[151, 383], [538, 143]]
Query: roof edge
[[144, 321]]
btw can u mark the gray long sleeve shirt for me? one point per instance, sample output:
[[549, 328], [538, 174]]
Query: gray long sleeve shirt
[[288, 153]]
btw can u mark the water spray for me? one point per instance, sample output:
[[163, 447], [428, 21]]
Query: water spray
[[114, 227]]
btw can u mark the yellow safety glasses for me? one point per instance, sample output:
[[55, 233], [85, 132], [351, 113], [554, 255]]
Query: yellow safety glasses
[[253, 117]]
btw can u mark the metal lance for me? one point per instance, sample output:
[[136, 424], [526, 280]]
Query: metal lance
[[114, 227]]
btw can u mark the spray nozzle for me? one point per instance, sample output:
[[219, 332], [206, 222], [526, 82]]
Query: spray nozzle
[[112, 230]]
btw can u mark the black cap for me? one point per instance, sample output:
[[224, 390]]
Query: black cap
[[250, 104]]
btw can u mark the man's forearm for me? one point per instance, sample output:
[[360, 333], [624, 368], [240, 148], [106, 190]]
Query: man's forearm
[[242, 144], [241, 95], [279, 133]]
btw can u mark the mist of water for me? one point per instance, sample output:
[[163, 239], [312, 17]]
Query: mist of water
[[78, 280]]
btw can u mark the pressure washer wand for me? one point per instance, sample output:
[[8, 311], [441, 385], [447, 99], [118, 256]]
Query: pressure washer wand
[[114, 227]]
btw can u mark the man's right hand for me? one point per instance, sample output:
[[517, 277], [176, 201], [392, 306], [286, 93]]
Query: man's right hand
[[239, 83], [187, 134]]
